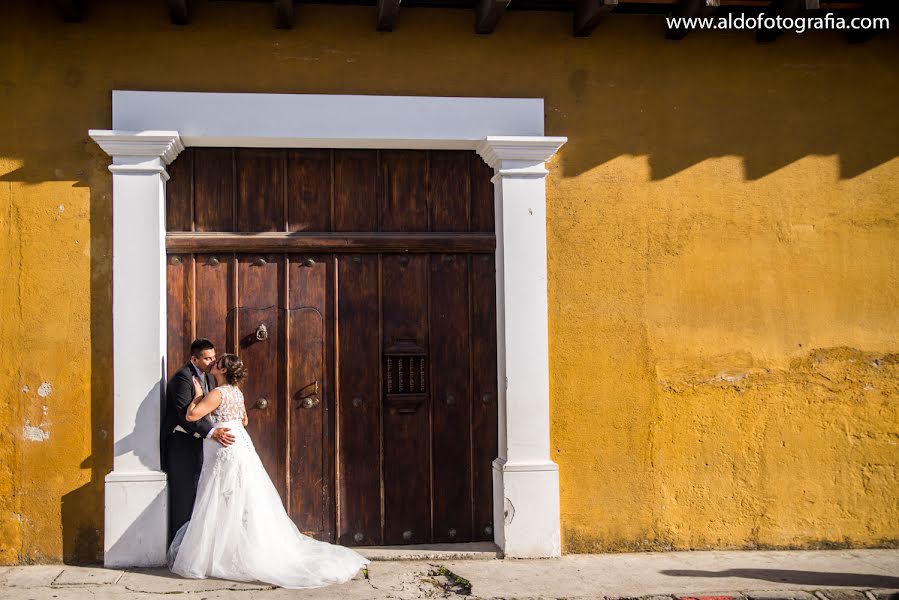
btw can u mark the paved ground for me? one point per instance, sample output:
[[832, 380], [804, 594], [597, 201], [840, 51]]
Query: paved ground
[[825, 575]]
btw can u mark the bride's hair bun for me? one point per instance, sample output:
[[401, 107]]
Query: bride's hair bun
[[233, 368]]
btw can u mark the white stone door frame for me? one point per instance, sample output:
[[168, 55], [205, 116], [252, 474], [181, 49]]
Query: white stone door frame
[[149, 131]]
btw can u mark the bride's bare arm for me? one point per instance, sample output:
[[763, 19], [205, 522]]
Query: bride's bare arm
[[203, 405]]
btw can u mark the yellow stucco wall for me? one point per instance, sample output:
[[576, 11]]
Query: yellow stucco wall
[[723, 263]]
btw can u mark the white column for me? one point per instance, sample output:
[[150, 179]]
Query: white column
[[136, 519], [525, 480]]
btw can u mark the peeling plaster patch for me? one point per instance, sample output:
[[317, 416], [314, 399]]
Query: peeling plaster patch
[[508, 511], [62, 208], [25, 389], [730, 376], [46, 409], [34, 434], [45, 390]]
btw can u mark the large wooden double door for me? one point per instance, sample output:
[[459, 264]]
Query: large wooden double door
[[358, 287]]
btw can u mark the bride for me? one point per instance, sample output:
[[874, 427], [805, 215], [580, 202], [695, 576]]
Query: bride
[[239, 529]]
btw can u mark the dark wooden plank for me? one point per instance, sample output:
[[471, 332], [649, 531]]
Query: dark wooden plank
[[179, 11], [488, 14], [404, 206], [356, 190], [309, 190], [330, 242], [449, 193], [308, 395], [451, 405], [484, 406], [214, 189], [359, 413], [215, 299], [588, 14], [260, 189], [407, 469], [284, 14], [482, 205], [259, 290], [179, 193], [388, 10], [179, 309]]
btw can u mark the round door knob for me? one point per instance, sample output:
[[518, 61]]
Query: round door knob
[[261, 403], [308, 402]]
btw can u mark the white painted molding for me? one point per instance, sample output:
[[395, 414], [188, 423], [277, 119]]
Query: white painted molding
[[325, 121], [118, 476], [496, 149], [165, 145]]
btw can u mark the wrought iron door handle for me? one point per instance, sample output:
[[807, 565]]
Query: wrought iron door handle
[[262, 332]]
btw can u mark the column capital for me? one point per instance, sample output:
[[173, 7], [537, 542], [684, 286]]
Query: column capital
[[519, 155], [139, 152]]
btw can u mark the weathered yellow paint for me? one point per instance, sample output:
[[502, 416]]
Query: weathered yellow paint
[[723, 261]]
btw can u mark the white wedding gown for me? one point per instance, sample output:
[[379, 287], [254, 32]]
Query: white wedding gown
[[239, 529]]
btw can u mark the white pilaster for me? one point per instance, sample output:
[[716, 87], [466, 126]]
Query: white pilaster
[[136, 498], [525, 480]]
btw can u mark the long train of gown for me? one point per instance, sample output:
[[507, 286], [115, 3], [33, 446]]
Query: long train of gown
[[239, 529]]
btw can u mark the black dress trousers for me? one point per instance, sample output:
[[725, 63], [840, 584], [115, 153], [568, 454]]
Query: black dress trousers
[[184, 459]]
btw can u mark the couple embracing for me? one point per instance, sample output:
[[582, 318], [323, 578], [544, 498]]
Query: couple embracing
[[225, 514]]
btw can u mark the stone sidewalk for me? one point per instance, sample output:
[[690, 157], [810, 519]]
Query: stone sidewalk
[[787, 575]]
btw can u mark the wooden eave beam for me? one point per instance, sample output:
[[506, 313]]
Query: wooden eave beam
[[588, 14], [284, 14], [488, 14], [72, 11], [388, 10], [179, 12]]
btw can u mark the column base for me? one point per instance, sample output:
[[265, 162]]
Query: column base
[[526, 509], [136, 520]]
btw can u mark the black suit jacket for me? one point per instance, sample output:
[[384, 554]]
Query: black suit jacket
[[179, 393]]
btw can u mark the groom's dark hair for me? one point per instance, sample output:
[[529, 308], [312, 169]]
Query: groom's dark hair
[[199, 345]]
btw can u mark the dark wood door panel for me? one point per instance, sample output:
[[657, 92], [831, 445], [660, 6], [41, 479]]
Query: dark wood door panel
[[213, 187], [407, 448], [179, 301], [405, 202], [482, 203], [309, 190], [357, 190], [322, 190], [449, 191], [359, 397], [179, 193], [451, 404], [215, 300], [308, 396], [260, 189], [484, 425], [260, 281]]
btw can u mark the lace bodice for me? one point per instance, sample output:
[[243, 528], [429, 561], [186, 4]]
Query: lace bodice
[[231, 408]]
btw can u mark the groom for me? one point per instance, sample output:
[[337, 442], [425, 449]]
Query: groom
[[182, 441]]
